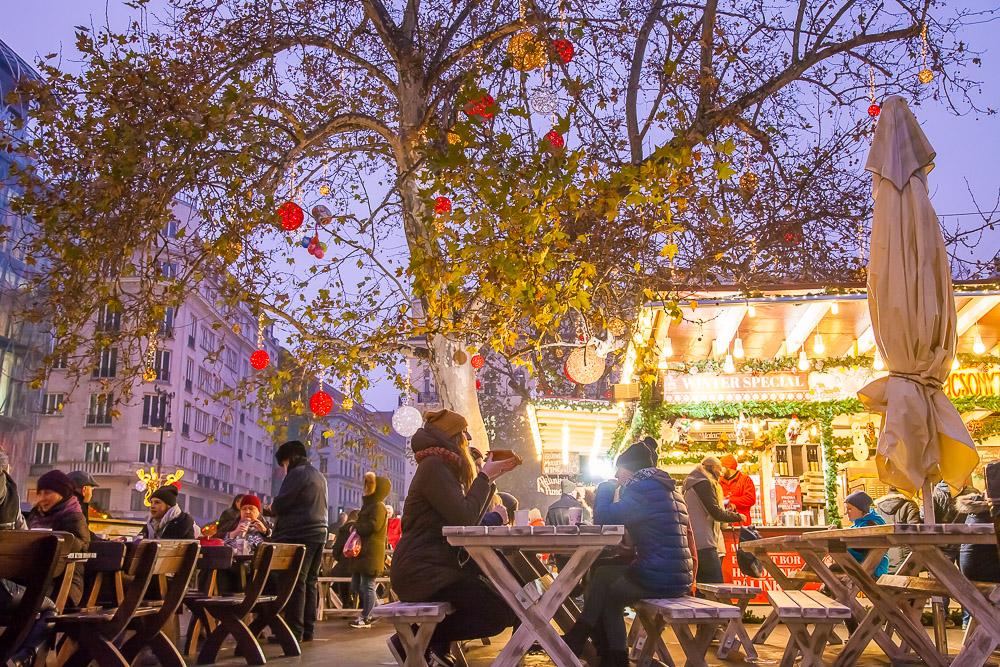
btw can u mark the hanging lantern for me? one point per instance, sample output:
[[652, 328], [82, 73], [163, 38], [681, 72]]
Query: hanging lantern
[[527, 52], [260, 359], [874, 110], [347, 404], [442, 205], [459, 357], [554, 140], [291, 216], [483, 107], [544, 100], [584, 366], [925, 76], [407, 420], [563, 48], [749, 181], [478, 361], [324, 190], [321, 403]]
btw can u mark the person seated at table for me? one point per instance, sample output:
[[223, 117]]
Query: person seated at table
[[501, 513], [230, 517], [655, 515], [251, 529], [861, 511], [167, 521], [895, 508], [446, 491], [535, 517], [58, 509], [11, 517]]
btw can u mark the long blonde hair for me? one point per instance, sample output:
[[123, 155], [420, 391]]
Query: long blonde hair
[[466, 466]]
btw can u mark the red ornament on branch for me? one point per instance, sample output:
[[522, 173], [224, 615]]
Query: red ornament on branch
[[564, 50], [291, 215], [442, 205], [484, 107], [874, 110], [260, 359], [554, 139], [478, 361], [479, 385], [321, 403], [790, 237]]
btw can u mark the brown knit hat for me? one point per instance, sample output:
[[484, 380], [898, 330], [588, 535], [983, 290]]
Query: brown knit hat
[[448, 422]]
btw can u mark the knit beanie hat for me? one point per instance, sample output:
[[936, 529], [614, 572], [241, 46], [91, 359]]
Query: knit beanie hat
[[636, 458], [167, 493], [249, 499], [57, 481], [861, 500], [290, 450], [651, 444], [567, 486], [508, 501], [729, 461], [448, 422]]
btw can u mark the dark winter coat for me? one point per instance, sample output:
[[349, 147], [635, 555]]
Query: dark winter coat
[[181, 527], [10, 506], [66, 516], [558, 512], [895, 508], [423, 562], [979, 562], [372, 523], [301, 505], [656, 517], [228, 520]]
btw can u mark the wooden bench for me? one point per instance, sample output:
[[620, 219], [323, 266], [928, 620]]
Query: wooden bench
[[331, 604], [679, 614], [404, 616], [800, 609], [736, 633], [28, 558]]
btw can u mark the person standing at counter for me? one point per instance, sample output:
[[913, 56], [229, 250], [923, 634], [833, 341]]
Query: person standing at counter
[[703, 495], [737, 488]]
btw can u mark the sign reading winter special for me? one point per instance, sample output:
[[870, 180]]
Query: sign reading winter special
[[684, 387]]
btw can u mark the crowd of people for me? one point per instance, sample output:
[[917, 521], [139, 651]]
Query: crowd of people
[[674, 534]]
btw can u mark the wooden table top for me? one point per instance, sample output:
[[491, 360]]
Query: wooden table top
[[543, 538], [777, 543], [907, 535]]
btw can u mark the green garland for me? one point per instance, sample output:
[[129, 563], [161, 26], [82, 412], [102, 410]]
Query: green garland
[[829, 468], [791, 364], [575, 405], [984, 429]]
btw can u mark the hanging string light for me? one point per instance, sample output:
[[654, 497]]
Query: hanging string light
[[925, 75], [873, 109], [260, 358], [149, 373]]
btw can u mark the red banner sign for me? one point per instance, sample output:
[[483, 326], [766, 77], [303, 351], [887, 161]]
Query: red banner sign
[[787, 562]]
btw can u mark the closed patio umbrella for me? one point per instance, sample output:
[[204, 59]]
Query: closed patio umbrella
[[923, 438]]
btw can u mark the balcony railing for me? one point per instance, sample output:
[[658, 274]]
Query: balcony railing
[[427, 397], [117, 468]]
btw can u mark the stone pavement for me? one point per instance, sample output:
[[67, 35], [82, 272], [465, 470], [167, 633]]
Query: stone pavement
[[337, 645]]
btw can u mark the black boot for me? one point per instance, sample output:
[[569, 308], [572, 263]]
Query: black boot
[[577, 637]]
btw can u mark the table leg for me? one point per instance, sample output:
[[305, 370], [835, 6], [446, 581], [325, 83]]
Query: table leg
[[529, 569], [766, 628]]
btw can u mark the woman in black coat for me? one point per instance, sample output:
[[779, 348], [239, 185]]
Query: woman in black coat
[[167, 521], [373, 520], [58, 509]]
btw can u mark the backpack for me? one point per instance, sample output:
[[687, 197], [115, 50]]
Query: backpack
[[749, 564]]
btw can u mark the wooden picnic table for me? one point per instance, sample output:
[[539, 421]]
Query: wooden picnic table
[[924, 541], [508, 556]]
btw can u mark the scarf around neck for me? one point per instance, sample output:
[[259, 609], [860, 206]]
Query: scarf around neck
[[155, 528], [52, 518]]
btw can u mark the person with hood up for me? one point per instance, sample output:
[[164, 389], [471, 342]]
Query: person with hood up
[[558, 512], [895, 508], [371, 526], [58, 509], [301, 509], [167, 521], [656, 517], [703, 495], [11, 517], [446, 491], [859, 508], [737, 489]]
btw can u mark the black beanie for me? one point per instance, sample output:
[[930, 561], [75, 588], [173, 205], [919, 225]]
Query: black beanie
[[636, 458], [166, 493], [290, 450], [56, 480]]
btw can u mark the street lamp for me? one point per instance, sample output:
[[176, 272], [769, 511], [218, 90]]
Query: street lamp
[[163, 420]]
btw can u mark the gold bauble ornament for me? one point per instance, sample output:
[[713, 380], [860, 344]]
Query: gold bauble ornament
[[347, 403], [925, 75], [454, 138], [460, 357], [617, 326], [583, 366], [324, 190], [749, 181], [527, 52], [149, 375]]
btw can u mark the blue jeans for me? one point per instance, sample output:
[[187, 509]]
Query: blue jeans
[[363, 586]]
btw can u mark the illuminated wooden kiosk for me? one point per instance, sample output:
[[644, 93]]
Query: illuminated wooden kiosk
[[770, 377]]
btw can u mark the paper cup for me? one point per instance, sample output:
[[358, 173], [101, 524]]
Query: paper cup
[[521, 518]]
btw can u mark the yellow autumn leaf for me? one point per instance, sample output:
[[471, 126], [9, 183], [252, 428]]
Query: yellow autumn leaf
[[669, 251]]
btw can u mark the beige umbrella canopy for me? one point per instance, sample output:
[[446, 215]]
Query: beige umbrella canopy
[[912, 306]]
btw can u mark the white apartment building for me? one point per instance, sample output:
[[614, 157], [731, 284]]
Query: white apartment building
[[174, 422]]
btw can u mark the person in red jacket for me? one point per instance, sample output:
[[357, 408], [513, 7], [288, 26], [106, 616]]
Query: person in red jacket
[[395, 527], [737, 488]]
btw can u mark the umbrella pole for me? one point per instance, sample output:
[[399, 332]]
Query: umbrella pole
[[928, 493]]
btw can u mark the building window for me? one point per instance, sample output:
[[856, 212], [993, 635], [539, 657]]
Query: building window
[[46, 453], [107, 363], [60, 362], [100, 409], [138, 501], [97, 452], [168, 270], [149, 452], [184, 457], [207, 339], [167, 323], [202, 422], [109, 318], [52, 404], [163, 365], [172, 228], [323, 464], [154, 410]]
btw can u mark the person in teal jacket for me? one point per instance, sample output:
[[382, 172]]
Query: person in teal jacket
[[861, 511]]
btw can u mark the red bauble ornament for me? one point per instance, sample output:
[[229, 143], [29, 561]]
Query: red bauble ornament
[[789, 237], [321, 403], [479, 385], [478, 361], [554, 139], [442, 205], [874, 110], [291, 216], [484, 107], [563, 49], [260, 359]]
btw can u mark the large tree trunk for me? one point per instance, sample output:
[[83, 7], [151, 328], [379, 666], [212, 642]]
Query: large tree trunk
[[456, 384]]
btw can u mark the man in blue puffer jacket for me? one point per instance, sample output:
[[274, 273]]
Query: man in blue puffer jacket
[[655, 516]]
